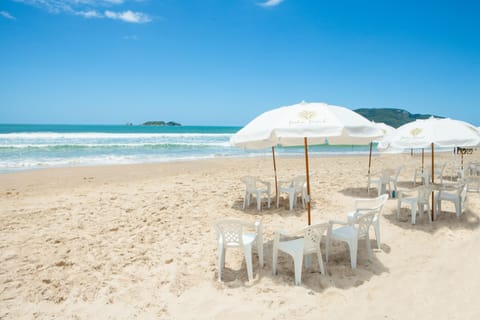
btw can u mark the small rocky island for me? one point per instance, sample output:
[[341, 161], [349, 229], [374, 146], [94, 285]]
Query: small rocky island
[[162, 123]]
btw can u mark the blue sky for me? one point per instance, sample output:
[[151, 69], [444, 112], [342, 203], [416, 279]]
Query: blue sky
[[222, 62]]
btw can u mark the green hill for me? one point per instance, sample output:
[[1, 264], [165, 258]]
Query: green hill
[[392, 117]]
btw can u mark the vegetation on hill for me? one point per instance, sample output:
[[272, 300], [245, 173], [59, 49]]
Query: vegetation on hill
[[392, 117], [162, 123]]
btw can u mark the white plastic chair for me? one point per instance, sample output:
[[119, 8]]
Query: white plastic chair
[[458, 197], [381, 183], [394, 181], [234, 233], [350, 232], [374, 205], [295, 187], [307, 242], [420, 201], [252, 188]]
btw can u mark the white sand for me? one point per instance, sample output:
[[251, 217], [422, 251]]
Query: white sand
[[125, 242]]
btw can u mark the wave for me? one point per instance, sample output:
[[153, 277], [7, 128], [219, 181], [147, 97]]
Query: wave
[[102, 135], [115, 145]]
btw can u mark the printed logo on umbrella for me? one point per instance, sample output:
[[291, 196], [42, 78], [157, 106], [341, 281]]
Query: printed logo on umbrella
[[415, 132], [307, 115]]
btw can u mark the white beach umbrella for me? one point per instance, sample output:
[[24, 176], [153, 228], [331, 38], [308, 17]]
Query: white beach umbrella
[[433, 132], [304, 123], [444, 133]]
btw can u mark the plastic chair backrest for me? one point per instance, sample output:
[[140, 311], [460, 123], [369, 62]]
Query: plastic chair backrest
[[230, 232], [375, 204], [250, 182], [363, 222], [312, 237], [424, 193], [298, 183]]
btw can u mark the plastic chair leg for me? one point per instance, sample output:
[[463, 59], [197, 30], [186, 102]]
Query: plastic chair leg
[[414, 213], [259, 201], [352, 246], [274, 260], [320, 262], [220, 262], [248, 261], [290, 199], [399, 205], [327, 247], [260, 252], [298, 264], [376, 228], [369, 248]]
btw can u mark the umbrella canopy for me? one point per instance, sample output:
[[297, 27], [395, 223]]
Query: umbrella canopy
[[319, 122], [386, 129], [303, 123], [444, 133]]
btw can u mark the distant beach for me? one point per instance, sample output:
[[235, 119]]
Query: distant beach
[[25, 147]]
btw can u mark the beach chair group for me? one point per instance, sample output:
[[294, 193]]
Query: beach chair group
[[234, 233], [302, 244], [294, 189]]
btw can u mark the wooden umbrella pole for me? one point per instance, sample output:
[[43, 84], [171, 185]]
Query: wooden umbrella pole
[[370, 159], [433, 178], [305, 143], [423, 158], [275, 171]]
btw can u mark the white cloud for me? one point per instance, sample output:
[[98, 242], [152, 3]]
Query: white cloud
[[271, 3], [132, 37], [128, 16], [6, 15], [90, 9], [88, 14]]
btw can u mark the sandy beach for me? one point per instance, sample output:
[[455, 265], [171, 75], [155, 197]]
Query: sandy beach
[[137, 242]]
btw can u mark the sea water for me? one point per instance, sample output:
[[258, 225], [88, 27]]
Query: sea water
[[24, 147]]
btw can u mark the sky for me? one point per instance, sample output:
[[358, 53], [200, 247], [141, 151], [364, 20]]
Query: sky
[[223, 62]]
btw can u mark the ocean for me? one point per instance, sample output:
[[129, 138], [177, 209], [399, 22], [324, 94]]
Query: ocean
[[26, 147]]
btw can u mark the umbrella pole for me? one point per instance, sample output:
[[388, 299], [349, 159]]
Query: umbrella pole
[[423, 158], [305, 143], [369, 165], [433, 178], [275, 171], [462, 159]]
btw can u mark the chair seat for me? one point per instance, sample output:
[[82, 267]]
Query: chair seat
[[344, 233], [410, 200], [447, 196], [291, 246]]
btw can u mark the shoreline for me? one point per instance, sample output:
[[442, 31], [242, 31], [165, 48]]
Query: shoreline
[[253, 155]]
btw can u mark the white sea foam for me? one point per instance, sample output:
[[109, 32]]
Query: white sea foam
[[101, 135]]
